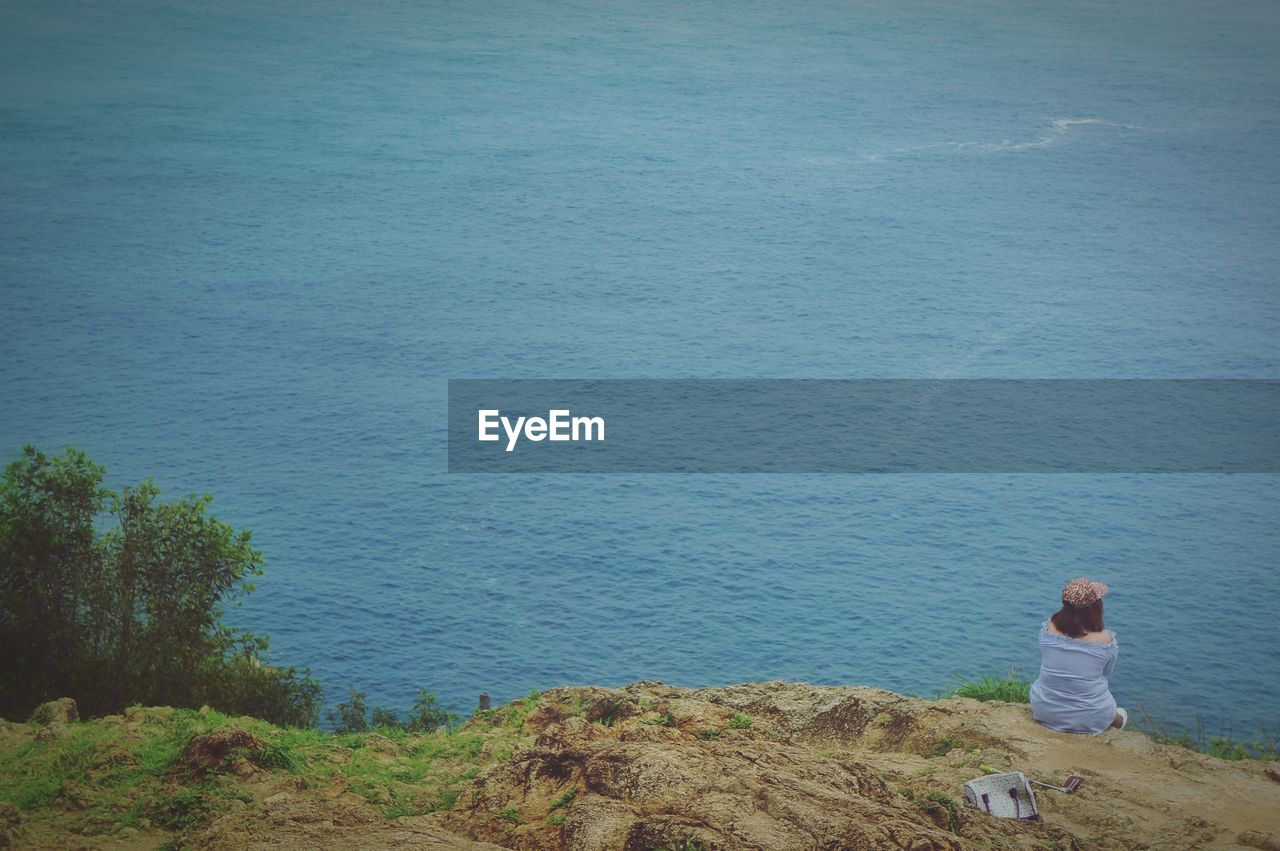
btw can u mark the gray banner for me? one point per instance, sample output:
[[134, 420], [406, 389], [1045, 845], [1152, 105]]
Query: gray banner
[[864, 426]]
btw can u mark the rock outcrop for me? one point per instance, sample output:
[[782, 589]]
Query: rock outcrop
[[791, 766], [63, 710]]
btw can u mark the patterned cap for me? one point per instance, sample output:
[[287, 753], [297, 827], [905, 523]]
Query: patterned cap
[[1080, 592]]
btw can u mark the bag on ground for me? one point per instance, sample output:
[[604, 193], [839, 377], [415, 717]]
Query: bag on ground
[[1003, 795]]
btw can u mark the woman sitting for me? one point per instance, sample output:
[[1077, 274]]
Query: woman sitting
[[1077, 654]]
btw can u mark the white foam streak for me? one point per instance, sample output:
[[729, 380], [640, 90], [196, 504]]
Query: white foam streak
[[1059, 129]]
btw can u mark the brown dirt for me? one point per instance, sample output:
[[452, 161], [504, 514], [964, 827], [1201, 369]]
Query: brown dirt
[[212, 748]]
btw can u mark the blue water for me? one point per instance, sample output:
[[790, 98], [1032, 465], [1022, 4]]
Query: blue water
[[243, 245]]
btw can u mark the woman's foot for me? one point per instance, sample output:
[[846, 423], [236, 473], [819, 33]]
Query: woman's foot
[[1122, 718]]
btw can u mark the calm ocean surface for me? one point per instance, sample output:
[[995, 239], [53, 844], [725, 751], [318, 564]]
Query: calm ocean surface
[[243, 246]]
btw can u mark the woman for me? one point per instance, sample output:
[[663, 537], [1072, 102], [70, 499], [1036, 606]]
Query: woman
[[1077, 653]]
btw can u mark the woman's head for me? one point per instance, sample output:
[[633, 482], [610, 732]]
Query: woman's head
[[1081, 610]]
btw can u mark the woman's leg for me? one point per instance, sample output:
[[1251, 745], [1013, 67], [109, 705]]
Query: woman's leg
[[1121, 719]]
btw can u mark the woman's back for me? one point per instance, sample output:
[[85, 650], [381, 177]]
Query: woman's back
[[1072, 693]]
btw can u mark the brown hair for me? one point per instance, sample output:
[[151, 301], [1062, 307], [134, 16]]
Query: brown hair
[[1075, 621]]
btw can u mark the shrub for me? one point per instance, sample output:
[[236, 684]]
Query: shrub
[[383, 717], [424, 717], [132, 612]]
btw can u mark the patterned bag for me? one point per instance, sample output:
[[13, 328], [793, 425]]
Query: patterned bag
[[1003, 795]]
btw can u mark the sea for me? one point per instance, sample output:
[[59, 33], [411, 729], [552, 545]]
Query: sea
[[244, 245]]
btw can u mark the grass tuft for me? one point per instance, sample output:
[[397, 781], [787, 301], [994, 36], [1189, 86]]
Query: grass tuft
[[1009, 688], [563, 801]]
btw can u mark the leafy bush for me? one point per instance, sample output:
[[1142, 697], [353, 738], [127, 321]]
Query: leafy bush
[[131, 613], [349, 717], [424, 717]]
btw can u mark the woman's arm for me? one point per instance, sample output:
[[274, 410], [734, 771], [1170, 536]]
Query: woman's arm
[[1115, 654]]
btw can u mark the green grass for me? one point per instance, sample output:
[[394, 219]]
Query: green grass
[[563, 801], [741, 721], [130, 771], [98, 776], [1225, 746], [1009, 688]]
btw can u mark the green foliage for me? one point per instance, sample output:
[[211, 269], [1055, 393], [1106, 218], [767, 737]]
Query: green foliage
[[663, 720], [424, 717], [349, 717], [108, 777], [179, 809], [563, 801], [1225, 746], [741, 721], [510, 814], [385, 718], [710, 733], [131, 613], [689, 843], [272, 755], [1009, 688], [112, 771]]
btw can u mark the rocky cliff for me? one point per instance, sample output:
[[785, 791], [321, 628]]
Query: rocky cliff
[[771, 766]]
